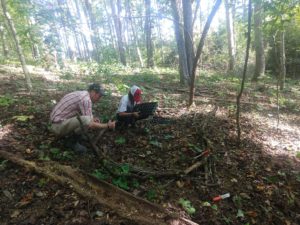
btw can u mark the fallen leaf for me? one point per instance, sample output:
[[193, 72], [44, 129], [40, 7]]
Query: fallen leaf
[[260, 187], [15, 214], [179, 184], [233, 180], [240, 214], [206, 204], [245, 196], [8, 194], [99, 213], [251, 213]]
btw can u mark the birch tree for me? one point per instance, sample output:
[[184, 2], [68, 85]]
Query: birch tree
[[178, 28], [118, 29], [229, 5], [258, 41], [17, 44], [148, 31]]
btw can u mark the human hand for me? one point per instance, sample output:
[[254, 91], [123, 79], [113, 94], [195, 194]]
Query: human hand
[[111, 124], [136, 114], [96, 120]]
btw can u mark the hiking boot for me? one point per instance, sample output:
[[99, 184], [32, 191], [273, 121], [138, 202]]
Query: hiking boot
[[79, 148]]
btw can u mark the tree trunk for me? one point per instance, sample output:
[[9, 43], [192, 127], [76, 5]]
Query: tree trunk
[[17, 43], [200, 48], [188, 33], [118, 29], [238, 99], [82, 38], [258, 42], [92, 25], [3, 40], [128, 6], [111, 28], [282, 60], [183, 67], [230, 34], [148, 30]]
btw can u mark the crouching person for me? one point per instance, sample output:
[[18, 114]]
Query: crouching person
[[125, 114], [63, 118]]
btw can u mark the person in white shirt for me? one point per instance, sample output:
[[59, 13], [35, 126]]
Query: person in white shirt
[[125, 114]]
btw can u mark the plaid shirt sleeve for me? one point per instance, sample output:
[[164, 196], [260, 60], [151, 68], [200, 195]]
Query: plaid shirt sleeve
[[85, 106]]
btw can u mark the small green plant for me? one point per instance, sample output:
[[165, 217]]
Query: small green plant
[[151, 195], [67, 75], [3, 165], [99, 174], [214, 207], [6, 101], [121, 182], [169, 136], [227, 220], [195, 148], [237, 200], [122, 88], [188, 207], [42, 182], [155, 143], [298, 155], [23, 118], [120, 140], [240, 214], [44, 157], [57, 154], [298, 177], [135, 183]]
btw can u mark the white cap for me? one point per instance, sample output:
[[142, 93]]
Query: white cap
[[133, 89]]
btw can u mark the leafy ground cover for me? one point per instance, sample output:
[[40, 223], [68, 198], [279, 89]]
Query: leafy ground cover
[[262, 174]]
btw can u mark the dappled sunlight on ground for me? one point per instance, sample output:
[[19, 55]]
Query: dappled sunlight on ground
[[5, 130], [279, 140]]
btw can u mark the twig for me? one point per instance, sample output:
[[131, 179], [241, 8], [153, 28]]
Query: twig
[[94, 147], [99, 136]]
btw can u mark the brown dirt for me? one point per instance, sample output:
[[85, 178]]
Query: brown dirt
[[262, 175]]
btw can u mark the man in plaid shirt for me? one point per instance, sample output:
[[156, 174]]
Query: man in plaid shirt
[[63, 117]]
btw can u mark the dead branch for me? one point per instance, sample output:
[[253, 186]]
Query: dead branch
[[123, 203], [83, 129], [193, 167]]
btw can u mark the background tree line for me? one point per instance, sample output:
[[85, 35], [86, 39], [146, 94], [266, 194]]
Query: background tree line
[[153, 33]]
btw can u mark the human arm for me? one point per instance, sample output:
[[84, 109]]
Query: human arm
[[98, 125], [134, 114]]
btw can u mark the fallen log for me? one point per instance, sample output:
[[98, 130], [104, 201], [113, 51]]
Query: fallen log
[[124, 204]]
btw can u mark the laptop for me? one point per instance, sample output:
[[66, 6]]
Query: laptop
[[146, 109]]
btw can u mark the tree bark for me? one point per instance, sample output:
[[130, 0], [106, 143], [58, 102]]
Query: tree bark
[[258, 42], [238, 99], [148, 31], [183, 67], [17, 43], [92, 25], [118, 29], [230, 34], [188, 33], [282, 60], [3, 40], [200, 48], [135, 39]]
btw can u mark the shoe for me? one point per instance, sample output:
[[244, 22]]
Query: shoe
[[79, 148]]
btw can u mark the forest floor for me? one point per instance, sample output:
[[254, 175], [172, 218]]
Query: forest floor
[[262, 174]]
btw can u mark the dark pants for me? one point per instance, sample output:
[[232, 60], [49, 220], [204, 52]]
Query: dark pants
[[125, 121]]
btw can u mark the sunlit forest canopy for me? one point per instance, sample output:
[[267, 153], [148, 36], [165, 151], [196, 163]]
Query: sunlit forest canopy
[[140, 33]]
